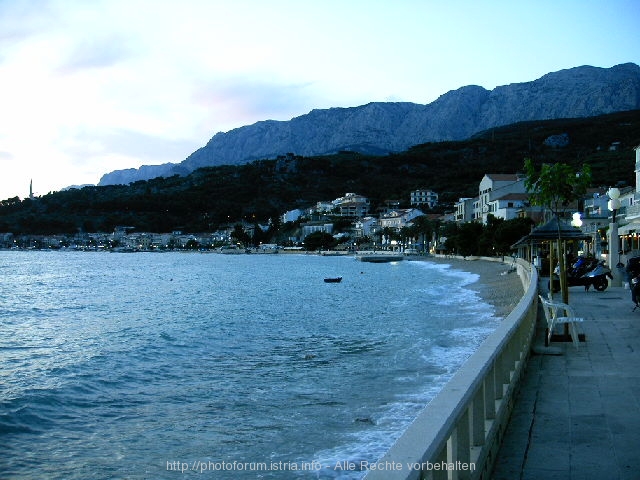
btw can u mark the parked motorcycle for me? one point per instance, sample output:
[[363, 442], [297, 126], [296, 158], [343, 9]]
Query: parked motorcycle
[[633, 275], [586, 272]]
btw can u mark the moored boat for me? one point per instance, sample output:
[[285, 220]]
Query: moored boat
[[333, 279], [379, 258]]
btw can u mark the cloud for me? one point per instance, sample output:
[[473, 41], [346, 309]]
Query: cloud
[[148, 148], [23, 19], [237, 101], [87, 87], [99, 52]]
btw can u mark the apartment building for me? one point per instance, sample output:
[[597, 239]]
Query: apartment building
[[424, 197]]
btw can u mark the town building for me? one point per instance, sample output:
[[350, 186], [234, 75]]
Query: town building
[[424, 197], [365, 226], [398, 219], [509, 206], [322, 207], [594, 218], [628, 216], [291, 215], [500, 195], [464, 210], [313, 227], [351, 205]]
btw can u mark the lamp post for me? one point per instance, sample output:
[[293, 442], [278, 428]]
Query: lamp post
[[614, 255], [576, 221]]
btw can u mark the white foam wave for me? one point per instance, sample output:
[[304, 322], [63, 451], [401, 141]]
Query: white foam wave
[[471, 319]]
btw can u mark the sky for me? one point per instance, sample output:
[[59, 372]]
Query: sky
[[92, 86]]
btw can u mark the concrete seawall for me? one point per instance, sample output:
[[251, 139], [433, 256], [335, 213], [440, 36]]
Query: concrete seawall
[[459, 432]]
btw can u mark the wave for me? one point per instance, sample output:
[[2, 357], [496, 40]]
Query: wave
[[246, 357]]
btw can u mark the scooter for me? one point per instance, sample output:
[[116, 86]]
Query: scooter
[[585, 272], [633, 274]]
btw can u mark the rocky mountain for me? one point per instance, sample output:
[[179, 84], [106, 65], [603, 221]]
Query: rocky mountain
[[381, 128]]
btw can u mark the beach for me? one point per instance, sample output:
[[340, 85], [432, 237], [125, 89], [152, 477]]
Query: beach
[[498, 284]]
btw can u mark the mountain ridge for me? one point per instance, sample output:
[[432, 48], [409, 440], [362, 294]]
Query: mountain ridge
[[264, 189], [386, 127]]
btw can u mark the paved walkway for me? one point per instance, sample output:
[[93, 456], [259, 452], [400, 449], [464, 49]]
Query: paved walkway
[[577, 416]]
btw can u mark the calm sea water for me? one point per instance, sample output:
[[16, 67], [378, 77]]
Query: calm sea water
[[232, 366]]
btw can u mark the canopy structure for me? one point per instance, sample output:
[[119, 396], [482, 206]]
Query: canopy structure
[[549, 231], [554, 231]]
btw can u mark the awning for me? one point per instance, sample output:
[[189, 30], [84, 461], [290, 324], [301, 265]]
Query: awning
[[550, 231], [629, 228]]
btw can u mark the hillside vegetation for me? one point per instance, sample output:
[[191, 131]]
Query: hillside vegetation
[[210, 197]]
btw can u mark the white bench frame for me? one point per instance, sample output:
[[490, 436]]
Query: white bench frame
[[561, 313]]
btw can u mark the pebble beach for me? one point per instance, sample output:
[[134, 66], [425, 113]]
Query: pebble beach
[[498, 284]]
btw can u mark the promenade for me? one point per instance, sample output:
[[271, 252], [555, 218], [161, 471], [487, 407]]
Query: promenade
[[577, 415]]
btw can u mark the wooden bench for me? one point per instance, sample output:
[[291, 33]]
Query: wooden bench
[[558, 313]]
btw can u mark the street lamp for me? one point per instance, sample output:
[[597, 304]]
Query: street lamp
[[614, 201], [576, 221], [614, 255]]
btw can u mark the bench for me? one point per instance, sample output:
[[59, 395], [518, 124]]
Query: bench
[[558, 313]]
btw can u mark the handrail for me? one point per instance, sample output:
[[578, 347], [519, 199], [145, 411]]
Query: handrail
[[458, 434]]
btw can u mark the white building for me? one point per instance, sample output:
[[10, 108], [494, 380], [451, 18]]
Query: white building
[[464, 210], [500, 195], [323, 207], [291, 215], [309, 228], [629, 215], [351, 205], [365, 226], [424, 197], [507, 207], [399, 218]]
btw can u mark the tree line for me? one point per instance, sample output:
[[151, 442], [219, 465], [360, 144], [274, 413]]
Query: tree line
[[256, 192]]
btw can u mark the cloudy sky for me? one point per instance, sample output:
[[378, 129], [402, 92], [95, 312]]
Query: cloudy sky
[[91, 86]]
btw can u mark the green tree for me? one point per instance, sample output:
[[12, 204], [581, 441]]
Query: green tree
[[487, 239], [240, 235], [409, 234], [319, 240], [509, 232], [555, 186], [192, 244], [462, 239], [466, 241]]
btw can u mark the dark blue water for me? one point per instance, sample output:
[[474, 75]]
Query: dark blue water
[[161, 365]]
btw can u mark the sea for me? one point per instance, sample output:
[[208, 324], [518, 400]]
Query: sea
[[161, 365]]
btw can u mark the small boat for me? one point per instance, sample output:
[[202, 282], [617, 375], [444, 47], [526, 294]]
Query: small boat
[[231, 250], [379, 258], [332, 279]]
